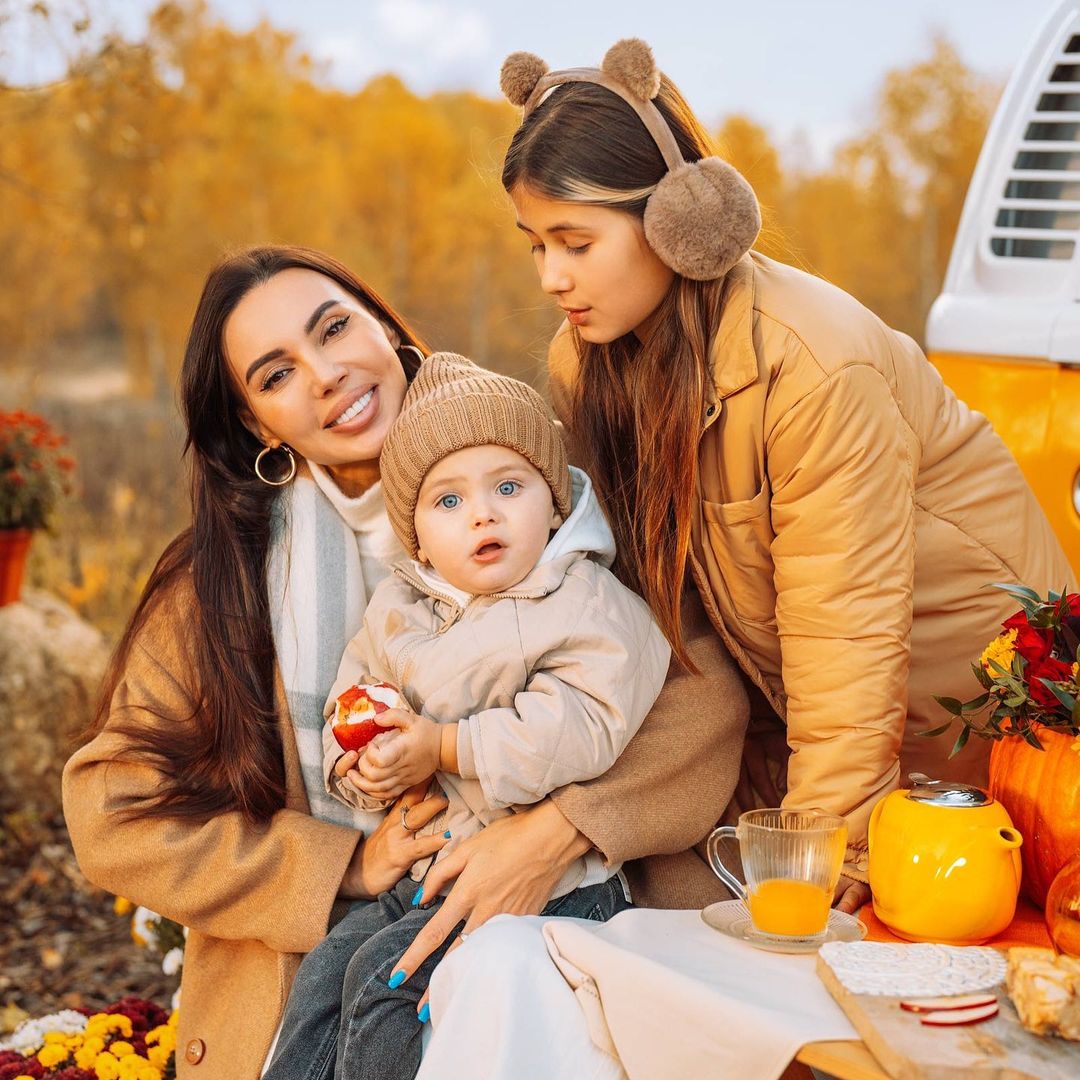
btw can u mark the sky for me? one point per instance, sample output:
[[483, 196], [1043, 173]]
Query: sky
[[808, 67]]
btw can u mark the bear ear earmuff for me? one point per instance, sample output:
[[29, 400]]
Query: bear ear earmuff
[[520, 73], [631, 63], [703, 216], [702, 219]]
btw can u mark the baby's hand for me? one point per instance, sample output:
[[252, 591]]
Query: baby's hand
[[345, 769], [405, 755]]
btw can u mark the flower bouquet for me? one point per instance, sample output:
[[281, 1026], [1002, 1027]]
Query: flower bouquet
[[34, 470], [34, 473], [1029, 674], [1030, 707], [130, 1040]]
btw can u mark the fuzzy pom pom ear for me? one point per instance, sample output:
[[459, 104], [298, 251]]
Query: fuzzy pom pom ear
[[631, 62], [520, 73], [702, 218]]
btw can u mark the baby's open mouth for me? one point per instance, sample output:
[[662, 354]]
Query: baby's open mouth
[[490, 548]]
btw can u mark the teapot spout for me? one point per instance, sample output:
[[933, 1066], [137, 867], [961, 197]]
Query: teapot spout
[[1008, 838]]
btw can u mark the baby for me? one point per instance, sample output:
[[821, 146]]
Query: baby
[[525, 663]]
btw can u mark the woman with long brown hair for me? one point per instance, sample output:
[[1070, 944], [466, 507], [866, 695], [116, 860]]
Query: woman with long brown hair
[[839, 511], [200, 794]]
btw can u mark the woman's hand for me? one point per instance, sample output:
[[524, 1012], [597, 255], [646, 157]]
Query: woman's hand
[[850, 895], [511, 867], [379, 861]]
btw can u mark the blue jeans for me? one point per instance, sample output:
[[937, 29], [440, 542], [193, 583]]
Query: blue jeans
[[343, 1021]]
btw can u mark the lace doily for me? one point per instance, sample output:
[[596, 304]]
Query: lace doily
[[884, 968]]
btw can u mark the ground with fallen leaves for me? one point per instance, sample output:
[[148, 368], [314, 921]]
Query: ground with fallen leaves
[[61, 945]]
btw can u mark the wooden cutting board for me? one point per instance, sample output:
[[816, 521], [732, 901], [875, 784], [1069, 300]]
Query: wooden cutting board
[[997, 1049]]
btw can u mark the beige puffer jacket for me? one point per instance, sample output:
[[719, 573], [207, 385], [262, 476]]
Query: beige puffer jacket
[[548, 681], [853, 513]]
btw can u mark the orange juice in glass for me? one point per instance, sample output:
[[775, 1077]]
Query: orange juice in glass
[[792, 861]]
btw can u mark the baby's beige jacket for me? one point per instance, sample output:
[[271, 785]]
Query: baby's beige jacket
[[548, 681]]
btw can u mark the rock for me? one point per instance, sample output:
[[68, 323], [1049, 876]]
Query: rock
[[51, 666]]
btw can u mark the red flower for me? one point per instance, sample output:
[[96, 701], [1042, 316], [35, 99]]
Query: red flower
[[1056, 671], [22, 1067], [1032, 644], [1072, 603]]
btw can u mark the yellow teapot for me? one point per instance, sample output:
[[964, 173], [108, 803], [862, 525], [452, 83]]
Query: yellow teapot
[[944, 863]]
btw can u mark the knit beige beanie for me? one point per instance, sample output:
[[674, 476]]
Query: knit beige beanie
[[453, 404]]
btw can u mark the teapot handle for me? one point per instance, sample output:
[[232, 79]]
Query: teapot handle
[[712, 846]]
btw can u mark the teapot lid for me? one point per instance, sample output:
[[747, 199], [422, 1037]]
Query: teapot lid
[[945, 792]]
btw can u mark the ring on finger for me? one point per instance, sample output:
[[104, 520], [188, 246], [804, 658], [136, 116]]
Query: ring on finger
[[462, 936], [405, 821]]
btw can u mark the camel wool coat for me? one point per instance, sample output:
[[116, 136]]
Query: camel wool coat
[[852, 514], [256, 896]]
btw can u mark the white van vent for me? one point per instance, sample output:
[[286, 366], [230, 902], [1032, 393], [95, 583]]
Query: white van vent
[[1039, 216]]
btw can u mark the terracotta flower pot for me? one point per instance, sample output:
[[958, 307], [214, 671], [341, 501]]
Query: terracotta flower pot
[[14, 547], [1041, 791]]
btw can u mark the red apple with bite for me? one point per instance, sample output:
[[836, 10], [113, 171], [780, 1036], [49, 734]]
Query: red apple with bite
[[354, 716]]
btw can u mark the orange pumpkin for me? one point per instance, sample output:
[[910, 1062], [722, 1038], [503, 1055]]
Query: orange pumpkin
[[1041, 791]]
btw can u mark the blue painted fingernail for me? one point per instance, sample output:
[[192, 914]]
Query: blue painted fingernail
[[396, 979], [424, 1015], [447, 834], [416, 896]]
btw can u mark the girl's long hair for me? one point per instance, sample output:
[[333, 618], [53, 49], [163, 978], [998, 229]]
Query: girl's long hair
[[227, 755], [636, 407]]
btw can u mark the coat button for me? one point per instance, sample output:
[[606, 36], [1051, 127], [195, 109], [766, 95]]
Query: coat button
[[194, 1052]]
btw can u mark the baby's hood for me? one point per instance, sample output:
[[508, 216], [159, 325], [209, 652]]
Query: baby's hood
[[585, 531]]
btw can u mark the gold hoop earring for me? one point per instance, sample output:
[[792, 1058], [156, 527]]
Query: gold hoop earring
[[292, 465]]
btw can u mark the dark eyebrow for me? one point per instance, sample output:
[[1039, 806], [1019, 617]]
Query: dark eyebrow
[[275, 354], [268, 358], [563, 226], [317, 314]]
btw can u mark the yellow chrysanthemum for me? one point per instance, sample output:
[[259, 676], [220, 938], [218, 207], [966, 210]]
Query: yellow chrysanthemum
[[86, 1055], [165, 1037], [149, 1072], [51, 1054], [1075, 670], [23, 1076], [159, 1056], [122, 906], [120, 1049], [106, 1067], [54, 1037], [1001, 650], [131, 1066], [106, 1023]]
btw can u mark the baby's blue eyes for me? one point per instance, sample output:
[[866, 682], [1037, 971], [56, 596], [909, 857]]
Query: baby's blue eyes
[[450, 501]]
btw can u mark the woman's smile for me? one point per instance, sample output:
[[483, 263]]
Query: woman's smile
[[352, 414]]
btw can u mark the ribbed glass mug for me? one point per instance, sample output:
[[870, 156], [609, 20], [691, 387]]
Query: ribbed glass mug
[[792, 861]]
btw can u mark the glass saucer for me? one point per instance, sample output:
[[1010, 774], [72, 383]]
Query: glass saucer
[[732, 918]]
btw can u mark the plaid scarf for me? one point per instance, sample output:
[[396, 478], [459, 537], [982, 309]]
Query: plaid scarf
[[317, 599]]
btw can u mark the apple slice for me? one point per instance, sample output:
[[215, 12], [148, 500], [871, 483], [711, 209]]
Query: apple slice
[[955, 1017], [939, 1004]]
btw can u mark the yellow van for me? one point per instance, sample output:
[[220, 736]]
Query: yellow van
[[1005, 331]]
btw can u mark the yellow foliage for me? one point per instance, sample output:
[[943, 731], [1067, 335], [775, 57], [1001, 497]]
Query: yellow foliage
[[121, 184]]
